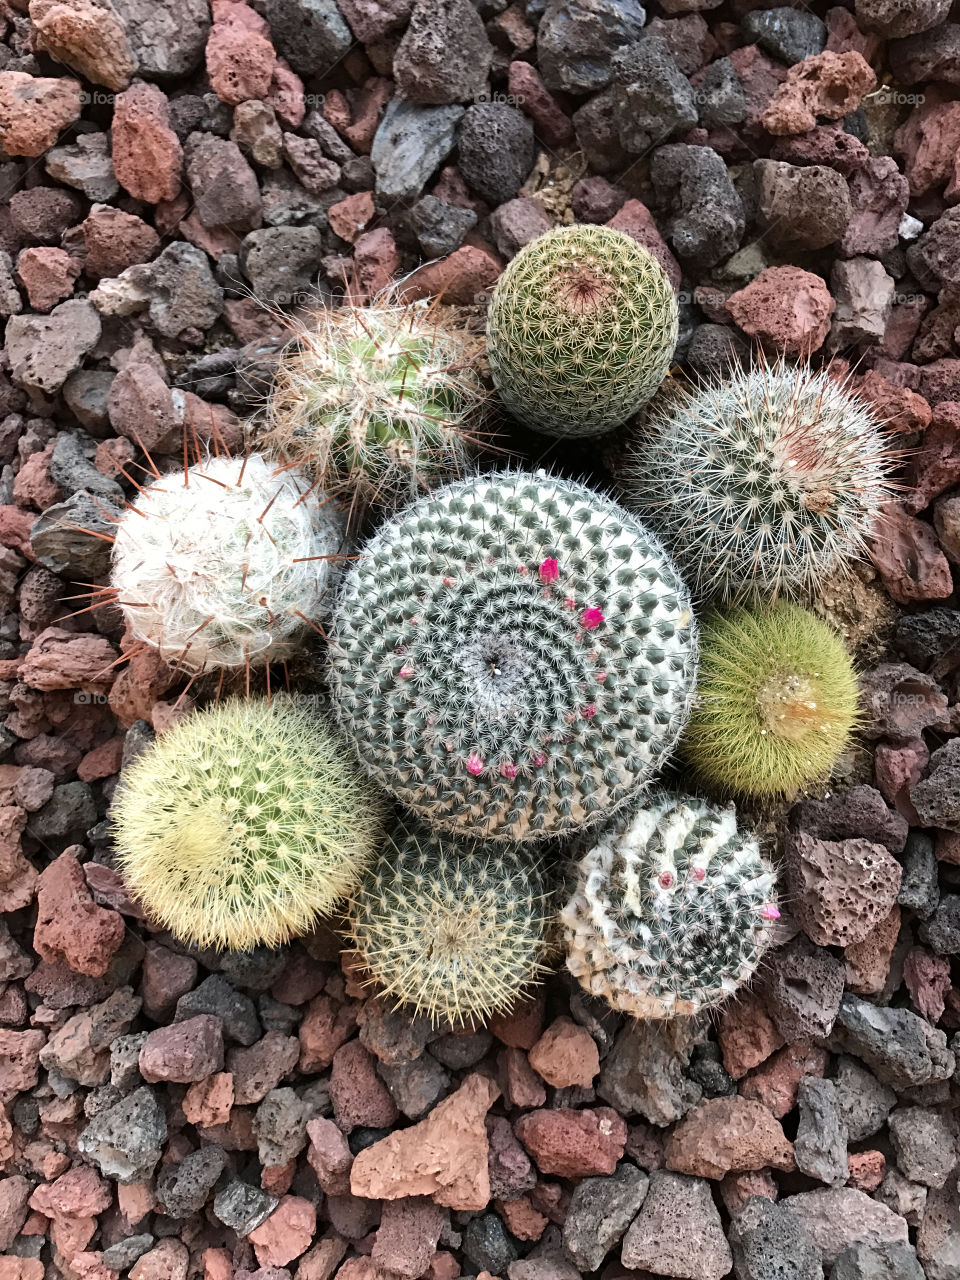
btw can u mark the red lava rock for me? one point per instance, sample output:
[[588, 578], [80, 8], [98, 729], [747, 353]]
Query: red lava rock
[[868, 961], [878, 196], [325, 1027], [79, 1193], [187, 1051], [737, 1188], [521, 1085], [286, 95], [573, 1144], [927, 978], [566, 1054], [134, 1201], [936, 464], [908, 558], [359, 123], [167, 1260], [358, 1095], [329, 1156], [522, 1027], [115, 240], [526, 85], [897, 770], [217, 1265], [776, 1081], [165, 977], [139, 685], [866, 1169], [826, 84], [15, 1268], [18, 878], [260, 1067], [826, 144], [15, 526], [760, 77], [70, 926], [34, 110], [208, 1102], [48, 275], [898, 407], [19, 1061], [88, 38], [517, 222], [61, 659], [636, 220], [349, 217], [34, 486], [784, 308], [376, 261], [940, 381], [28, 788], [286, 1234], [725, 1135], [522, 1219], [114, 456], [462, 278], [747, 1035], [240, 57], [928, 141], [839, 889], [102, 761], [147, 156], [443, 1156], [407, 1236]]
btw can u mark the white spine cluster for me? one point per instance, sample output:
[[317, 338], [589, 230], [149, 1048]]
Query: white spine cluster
[[671, 914], [225, 564]]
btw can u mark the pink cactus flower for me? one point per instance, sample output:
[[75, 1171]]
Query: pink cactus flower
[[699, 873], [549, 571], [665, 879], [591, 619], [508, 770], [770, 912], [589, 711], [474, 764], [406, 671], [601, 677], [539, 759]]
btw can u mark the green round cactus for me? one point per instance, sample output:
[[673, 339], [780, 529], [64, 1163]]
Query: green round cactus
[[378, 402], [776, 701], [520, 652], [671, 914], [763, 483], [244, 823], [581, 330], [227, 564], [454, 932]]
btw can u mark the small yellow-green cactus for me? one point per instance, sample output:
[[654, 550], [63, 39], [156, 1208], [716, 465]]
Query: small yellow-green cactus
[[581, 330], [453, 931], [243, 823], [776, 701]]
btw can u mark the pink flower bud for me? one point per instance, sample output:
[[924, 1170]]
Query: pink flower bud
[[549, 571], [508, 770], [665, 879], [770, 912], [590, 619], [474, 764], [406, 672], [589, 711]]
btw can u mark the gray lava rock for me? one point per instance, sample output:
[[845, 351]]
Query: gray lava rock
[[600, 1211], [719, 95], [878, 1262], [125, 1140], [487, 1245], [678, 1231], [820, 1147], [644, 1071], [216, 996], [769, 1244], [517, 222], [440, 227], [461, 1050], [243, 1207], [707, 1070], [907, 1198], [864, 294], [715, 349], [925, 1143], [653, 99], [901, 1049], [167, 37], [802, 989], [223, 184], [929, 55], [282, 263], [44, 350], [597, 136], [72, 469], [896, 19], [842, 1216], [864, 1102], [415, 1086], [125, 1061], [310, 34], [942, 930], [704, 214], [801, 206], [789, 34], [410, 144], [510, 1168], [496, 149], [184, 293], [919, 888], [85, 165], [444, 55], [123, 1254], [287, 203], [576, 39], [71, 810], [938, 1239], [281, 1127], [183, 1188], [85, 395]]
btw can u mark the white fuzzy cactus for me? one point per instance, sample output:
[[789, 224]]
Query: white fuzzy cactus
[[671, 914], [226, 564]]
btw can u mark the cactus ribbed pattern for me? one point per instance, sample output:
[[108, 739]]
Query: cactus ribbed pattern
[[671, 914], [453, 932], [513, 657], [581, 330], [763, 483]]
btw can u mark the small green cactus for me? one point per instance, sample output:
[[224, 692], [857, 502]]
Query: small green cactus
[[521, 653], [244, 823], [453, 932], [776, 701], [380, 402], [227, 564], [762, 483], [581, 330], [671, 914]]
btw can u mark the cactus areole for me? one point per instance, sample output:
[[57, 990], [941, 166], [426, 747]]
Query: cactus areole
[[513, 656]]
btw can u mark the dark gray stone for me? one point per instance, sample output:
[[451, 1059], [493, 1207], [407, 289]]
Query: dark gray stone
[[678, 1230], [897, 1261], [704, 218], [281, 1127], [864, 1102], [236, 1011], [416, 1087], [597, 135], [708, 1072], [802, 989], [86, 166], [125, 1061], [925, 1143], [936, 797], [942, 930], [901, 1049], [440, 227], [719, 96], [576, 39], [73, 470], [769, 1244], [123, 1254], [243, 1207], [857, 813], [310, 34], [257, 969], [715, 349], [458, 1052], [184, 293], [183, 1188], [125, 1140], [410, 144], [919, 887], [496, 149], [487, 1245], [69, 811], [444, 55], [644, 1072], [600, 1211], [653, 99], [789, 34], [820, 1147], [167, 37]]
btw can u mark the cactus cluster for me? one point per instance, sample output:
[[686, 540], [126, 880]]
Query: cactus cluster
[[379, 402], [762, 483], [520, 652], [776, 701], [581, 330], [671, 914], [243, 823], [226, 564], [454, 933]]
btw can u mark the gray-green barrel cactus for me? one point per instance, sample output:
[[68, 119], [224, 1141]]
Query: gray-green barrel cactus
[[513, 656]]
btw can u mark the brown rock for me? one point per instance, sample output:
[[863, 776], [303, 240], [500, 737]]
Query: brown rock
[[521, 1085], [323, 1259], [260, 1067], [240, 57], [19, 1062], [167, 1260], [868, 961], [927, 978], [62, 659], [70, 926], [728, 1135], [147, 156], [636, 220], [34, 111], [358, 1095], [80, 1049], [407, 1236], [208, 1102], [87, 37], [115, 240], [349, 217], [460, 279], [521, 1218], [827, 84], [18, 878], [522, 1027], [928, 141], [551, 123], [737, 1188], [329, 1156], [866, 1170], [48, 275], [566, 1054], [34, 486], [936, 464], [325, 1027], [898, 407], [286, 1234], [375, 263], [775, 1083], [187, 1051], [909, 559], [840, 888], [747, 1034], [573, 1144], [444, 1156], [785, 309]]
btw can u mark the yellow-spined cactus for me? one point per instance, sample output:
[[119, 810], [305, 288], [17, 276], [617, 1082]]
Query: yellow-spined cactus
[[243, 823]]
